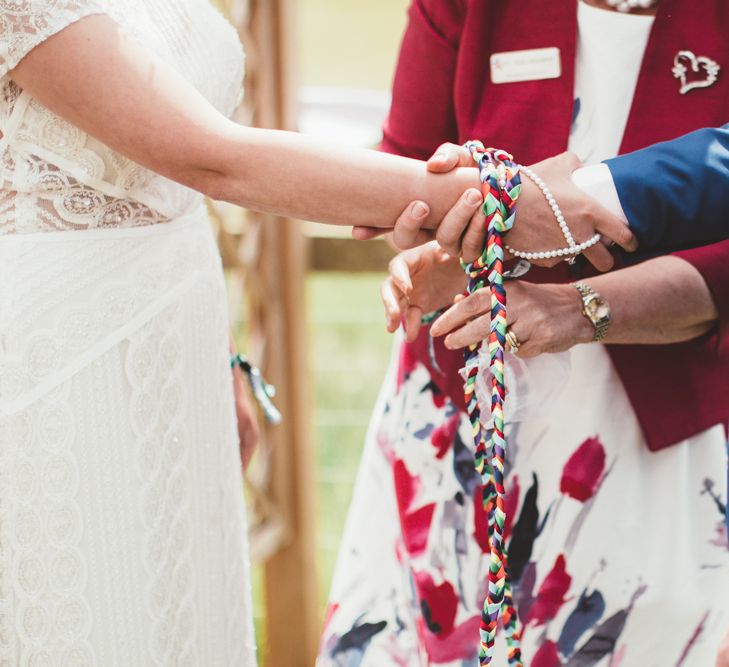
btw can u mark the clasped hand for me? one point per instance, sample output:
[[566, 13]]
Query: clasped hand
[[545, 318], [462, 231], [427, 275]]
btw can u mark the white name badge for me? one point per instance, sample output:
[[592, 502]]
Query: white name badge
[[527, 65]]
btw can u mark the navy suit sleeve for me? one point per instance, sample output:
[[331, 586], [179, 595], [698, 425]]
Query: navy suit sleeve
[[675, 194]]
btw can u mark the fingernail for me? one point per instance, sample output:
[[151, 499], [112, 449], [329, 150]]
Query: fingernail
[[473, 197], [419, 210], [438, 157]]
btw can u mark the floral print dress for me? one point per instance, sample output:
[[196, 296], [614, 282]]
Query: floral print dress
[[619, 555]]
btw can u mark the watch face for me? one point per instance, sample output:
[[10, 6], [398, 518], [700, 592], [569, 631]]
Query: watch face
[[597, 308]]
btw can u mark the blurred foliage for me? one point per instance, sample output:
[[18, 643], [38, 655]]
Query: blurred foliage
[[350, 352], [349, 355], [349, 43]]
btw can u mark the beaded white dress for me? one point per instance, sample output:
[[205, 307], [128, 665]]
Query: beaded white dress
[[122, 523]]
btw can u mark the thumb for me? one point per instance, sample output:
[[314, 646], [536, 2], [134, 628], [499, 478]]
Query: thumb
[[448, 157], [616, 230]]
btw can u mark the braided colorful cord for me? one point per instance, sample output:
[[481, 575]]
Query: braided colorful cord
[[501, 186]]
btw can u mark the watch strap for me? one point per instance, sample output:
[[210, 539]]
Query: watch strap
[[601, 324]]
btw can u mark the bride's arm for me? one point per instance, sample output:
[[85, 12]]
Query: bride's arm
[[102, 81]]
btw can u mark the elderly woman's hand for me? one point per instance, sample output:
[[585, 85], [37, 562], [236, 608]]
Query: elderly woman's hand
[[544, 318], [462, 231], [421, 281]]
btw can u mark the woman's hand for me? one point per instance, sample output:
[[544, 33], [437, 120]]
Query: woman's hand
[[544, 318], [421, 280], [662, 301], [245, 411], [248, 431], [462, 231]]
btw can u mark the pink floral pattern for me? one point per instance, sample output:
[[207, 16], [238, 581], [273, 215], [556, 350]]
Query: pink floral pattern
[[593, 535], [582, 474]]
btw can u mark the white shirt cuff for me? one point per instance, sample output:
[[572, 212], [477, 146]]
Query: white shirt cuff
[[597, 181]]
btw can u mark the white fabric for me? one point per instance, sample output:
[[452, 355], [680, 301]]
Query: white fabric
[[610, 48], [643, 550], [597, 181], [122, 522]]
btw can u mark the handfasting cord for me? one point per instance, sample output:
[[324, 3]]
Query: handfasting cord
[[501, 186]]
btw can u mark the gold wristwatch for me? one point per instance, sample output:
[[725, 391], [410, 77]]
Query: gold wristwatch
[[596, 309]]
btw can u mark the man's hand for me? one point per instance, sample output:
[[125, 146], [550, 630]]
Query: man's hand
[[462, 231], [536, 228], [421, 280]]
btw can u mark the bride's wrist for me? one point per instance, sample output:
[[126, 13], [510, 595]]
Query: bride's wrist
[[442, 191]]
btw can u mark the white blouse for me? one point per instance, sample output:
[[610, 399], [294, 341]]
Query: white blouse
[[610, 50]]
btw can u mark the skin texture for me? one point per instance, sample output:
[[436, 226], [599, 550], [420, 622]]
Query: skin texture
[[663, 300], [420, 281], [172, 130], [245, 411], [462, 231], [141, 107], [248, 429]]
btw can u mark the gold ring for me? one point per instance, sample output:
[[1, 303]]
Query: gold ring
[[512, 342]]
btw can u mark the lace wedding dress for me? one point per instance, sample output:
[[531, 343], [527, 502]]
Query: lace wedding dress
[[122, 524]]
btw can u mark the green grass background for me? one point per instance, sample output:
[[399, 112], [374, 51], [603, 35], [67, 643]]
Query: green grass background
[[350, 354], [350, 351]]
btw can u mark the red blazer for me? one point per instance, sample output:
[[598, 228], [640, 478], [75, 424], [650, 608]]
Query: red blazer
[[443, 92]]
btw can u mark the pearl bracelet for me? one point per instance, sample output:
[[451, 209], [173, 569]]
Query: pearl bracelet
[[573, 249]]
